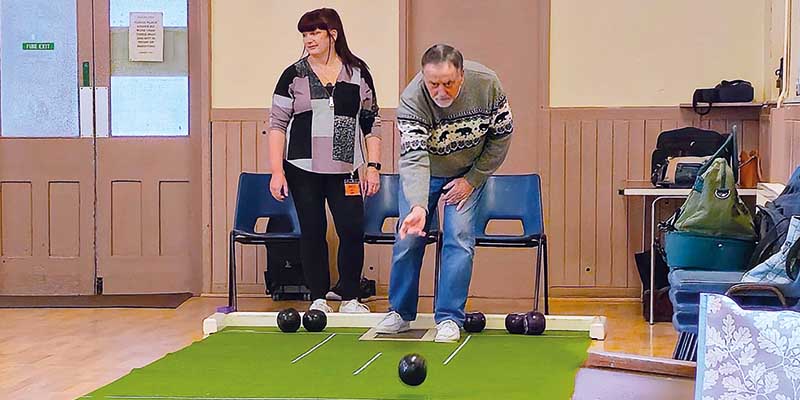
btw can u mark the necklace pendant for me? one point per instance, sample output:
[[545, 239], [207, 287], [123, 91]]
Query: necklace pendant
[[330, 101]]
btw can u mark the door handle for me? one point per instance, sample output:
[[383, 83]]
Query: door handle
[[86, 74]]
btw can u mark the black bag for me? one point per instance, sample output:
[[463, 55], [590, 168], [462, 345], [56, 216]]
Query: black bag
[[772, 220], [284, 275], [662, 305], [736, 91], [661, 270], [682, 142]]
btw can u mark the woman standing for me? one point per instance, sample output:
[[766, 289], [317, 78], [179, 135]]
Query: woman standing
[[323, 110]]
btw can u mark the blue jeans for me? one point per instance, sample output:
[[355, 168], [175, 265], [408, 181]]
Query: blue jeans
[[458, 250]]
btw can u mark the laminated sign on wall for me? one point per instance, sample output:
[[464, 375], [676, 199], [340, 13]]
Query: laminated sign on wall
[[146, 36]]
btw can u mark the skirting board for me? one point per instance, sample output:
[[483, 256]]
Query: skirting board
[[639, 363], [594, 325]]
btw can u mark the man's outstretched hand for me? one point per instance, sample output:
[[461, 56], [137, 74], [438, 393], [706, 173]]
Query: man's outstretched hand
[[414, 223]]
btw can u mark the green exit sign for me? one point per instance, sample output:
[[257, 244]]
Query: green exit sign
[[39, 46]]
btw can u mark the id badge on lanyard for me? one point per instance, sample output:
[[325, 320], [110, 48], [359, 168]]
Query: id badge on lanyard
[[351, 186]]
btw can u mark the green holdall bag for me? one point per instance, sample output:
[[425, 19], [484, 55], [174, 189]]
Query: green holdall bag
[[713, 230]]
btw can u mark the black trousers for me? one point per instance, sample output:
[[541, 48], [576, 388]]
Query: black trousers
[[310, 191]]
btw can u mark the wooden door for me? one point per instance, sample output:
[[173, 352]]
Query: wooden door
[[148, 150], [46, 148]]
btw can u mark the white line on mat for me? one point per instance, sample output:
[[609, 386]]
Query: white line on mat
[[363, 367], [457, 350], [314, 348]]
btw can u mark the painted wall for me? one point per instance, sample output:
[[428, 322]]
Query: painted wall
[[252, 42], [652, 53], [602, 147]]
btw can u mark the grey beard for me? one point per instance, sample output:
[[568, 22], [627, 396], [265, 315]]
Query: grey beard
[[444, 105], [449, 103]]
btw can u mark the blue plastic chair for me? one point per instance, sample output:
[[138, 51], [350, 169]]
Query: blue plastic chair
[[516, 198], [254, 201]]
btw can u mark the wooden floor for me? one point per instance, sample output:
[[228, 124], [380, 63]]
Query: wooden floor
[[66, 353]]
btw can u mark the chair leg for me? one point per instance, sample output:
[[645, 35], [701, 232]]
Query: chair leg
[[541, 277], [686, 348], [232, 297], [545, 273], [687, 340], [537, 271], [692, 354], [676, 354]]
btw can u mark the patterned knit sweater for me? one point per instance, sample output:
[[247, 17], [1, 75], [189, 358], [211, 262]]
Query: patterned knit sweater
[[470, 138]]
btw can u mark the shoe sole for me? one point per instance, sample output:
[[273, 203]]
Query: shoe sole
[[446, 341]]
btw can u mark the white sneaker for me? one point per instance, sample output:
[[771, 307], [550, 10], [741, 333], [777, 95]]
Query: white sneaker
[[392, 324], [331, 295], [447, 332], [321, 305], [353, 307]]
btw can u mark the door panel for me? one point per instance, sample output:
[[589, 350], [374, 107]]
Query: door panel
[[148, 197], [46, 169], [146, 236], [46, 223]]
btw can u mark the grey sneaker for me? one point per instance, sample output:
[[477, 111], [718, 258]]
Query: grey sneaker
[[392, 324], [331, 295], [447, 332], [353, 307], [321, 305]]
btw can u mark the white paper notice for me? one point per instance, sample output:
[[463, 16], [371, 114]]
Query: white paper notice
[[146, 37]]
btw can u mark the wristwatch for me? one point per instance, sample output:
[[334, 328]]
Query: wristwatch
[[375, 165]]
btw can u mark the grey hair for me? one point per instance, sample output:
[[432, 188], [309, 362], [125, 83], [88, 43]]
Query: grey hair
[[440, 53]]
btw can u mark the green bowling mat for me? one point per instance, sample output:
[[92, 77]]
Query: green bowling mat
[[264, 363]]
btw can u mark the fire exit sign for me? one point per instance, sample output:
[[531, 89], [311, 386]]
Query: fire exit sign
[[39, 46]]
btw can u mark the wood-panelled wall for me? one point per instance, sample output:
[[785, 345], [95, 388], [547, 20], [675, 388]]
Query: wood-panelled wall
[[781, 149], [584, 158], [590, 154]]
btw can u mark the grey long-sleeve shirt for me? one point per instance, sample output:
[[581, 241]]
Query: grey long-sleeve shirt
[[470, 138]]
